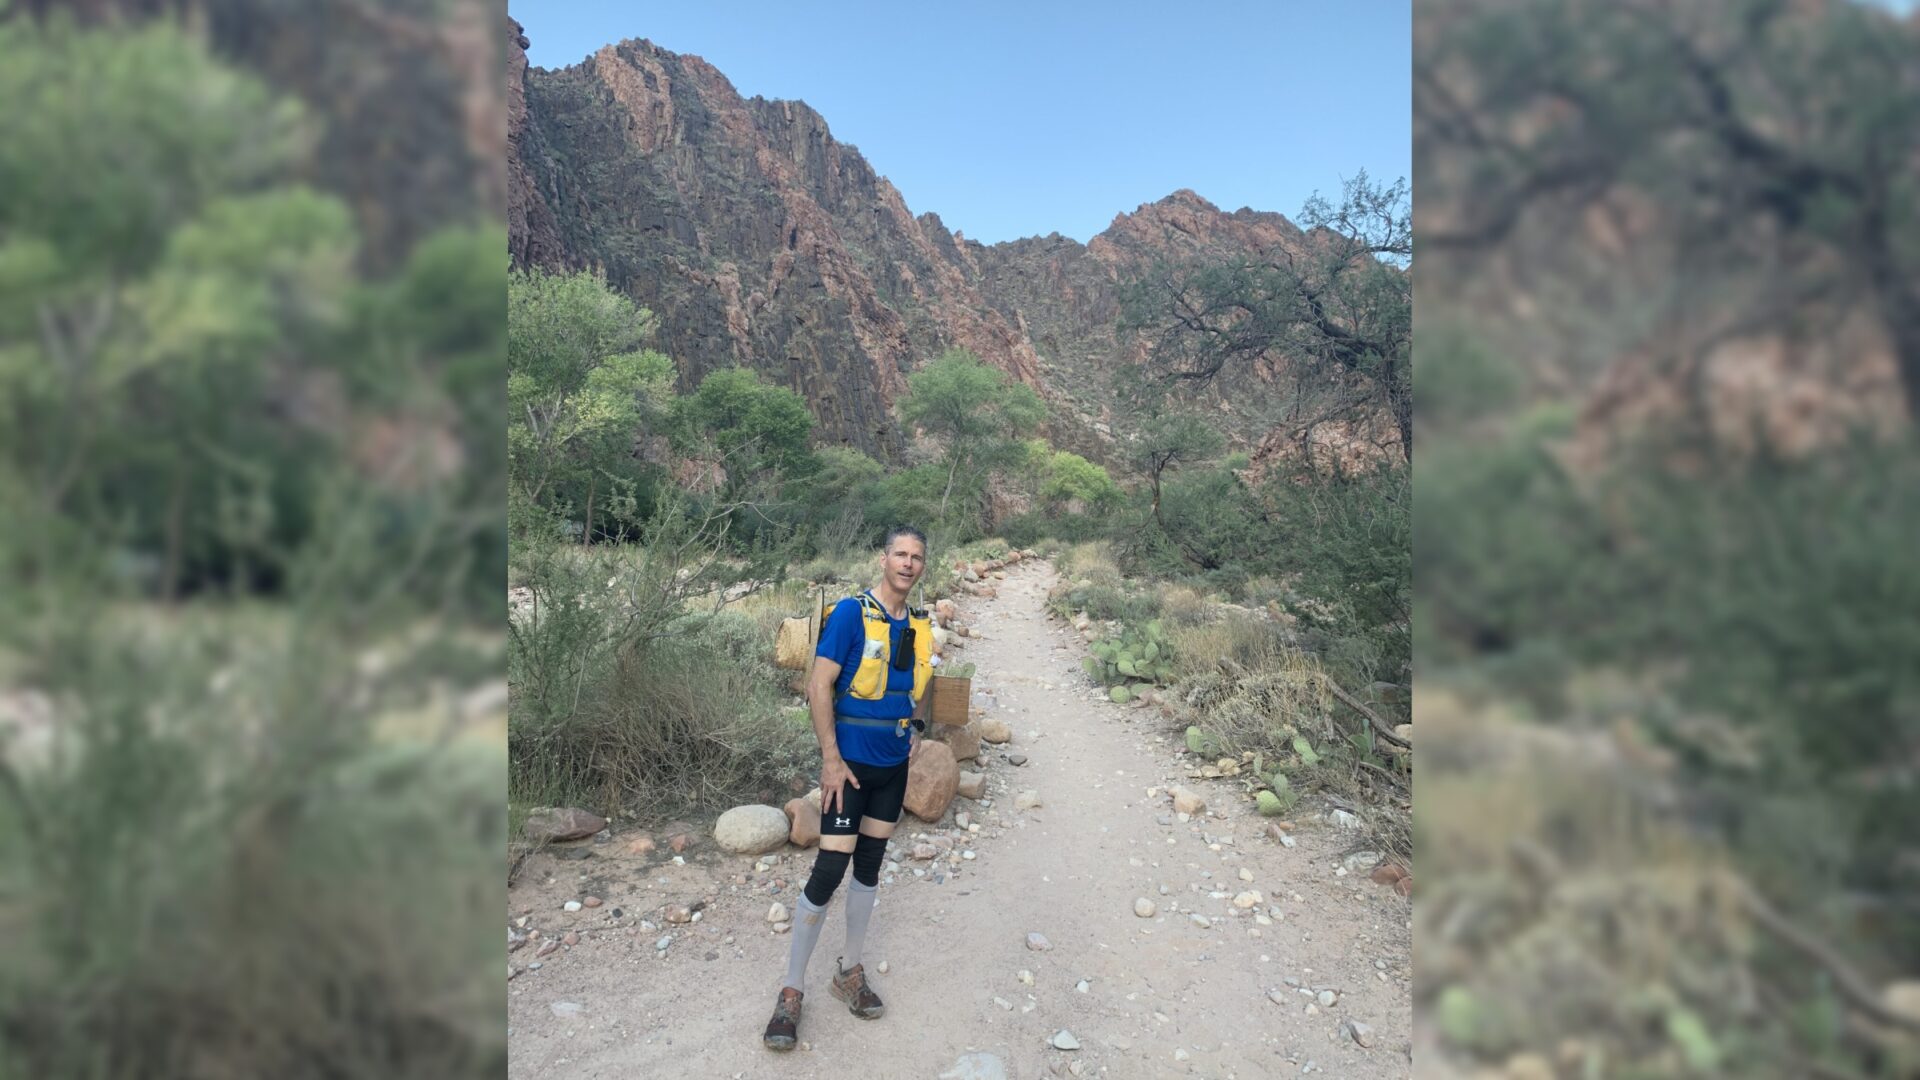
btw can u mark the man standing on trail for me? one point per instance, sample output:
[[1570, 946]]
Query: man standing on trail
[[867, 696]]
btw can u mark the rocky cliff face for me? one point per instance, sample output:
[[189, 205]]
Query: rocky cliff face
[[759, 240]]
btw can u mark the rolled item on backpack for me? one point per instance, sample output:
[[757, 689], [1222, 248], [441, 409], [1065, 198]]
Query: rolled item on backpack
[[791, 649]]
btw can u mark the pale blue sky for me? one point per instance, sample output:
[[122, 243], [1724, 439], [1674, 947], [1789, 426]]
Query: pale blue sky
[[1020, 119]]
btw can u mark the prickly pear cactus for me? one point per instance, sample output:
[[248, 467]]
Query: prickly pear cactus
[[1140, 654]]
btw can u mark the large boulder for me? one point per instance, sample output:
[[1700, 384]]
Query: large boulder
[[931, 782], [752, 830], [804, 816], [963, 740], [554, 823]]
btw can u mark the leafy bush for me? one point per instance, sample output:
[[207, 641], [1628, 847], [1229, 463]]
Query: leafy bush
[[591, 617], [1508, 547], [1035, 527], [672, 729]]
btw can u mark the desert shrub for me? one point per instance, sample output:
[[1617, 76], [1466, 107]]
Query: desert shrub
[[767, 607], [1036, 526], [1108, 602], [1183, 605], [221, 760], [1209, 523], [589, 611], [1254, 644], [1261, 590], [842, 567], [1508, 547], [1350, 542], [1258, 710], [1282, 727], [672, 729], [1093, 560]]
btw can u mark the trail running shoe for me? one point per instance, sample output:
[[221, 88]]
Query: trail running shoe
[[783, 1029], [851, 987]]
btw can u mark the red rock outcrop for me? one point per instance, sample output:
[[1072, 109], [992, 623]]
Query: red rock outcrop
[[759, 240]]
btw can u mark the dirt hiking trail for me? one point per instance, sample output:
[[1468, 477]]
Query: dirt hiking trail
[[1141, 996]]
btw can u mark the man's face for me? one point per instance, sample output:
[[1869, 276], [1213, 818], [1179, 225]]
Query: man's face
[[904, 562]]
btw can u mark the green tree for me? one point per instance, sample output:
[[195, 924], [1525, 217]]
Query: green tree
[[759, 430], [579, 388], [973, 409], [178, 409], [138, 285], [1072, 478], [1333, 311], [1168, 441]]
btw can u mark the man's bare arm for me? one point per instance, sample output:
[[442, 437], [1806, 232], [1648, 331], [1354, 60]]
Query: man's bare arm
[[834, 773]]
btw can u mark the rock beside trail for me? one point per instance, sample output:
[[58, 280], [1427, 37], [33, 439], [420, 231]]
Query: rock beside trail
[[932, 782], [976, 1067], [1186, 802], [804, 819], [1361, 861], [963, 740], [1902, 998], [995, 730], [555, 823], [1026, 800], [972, 784], [752, 829]]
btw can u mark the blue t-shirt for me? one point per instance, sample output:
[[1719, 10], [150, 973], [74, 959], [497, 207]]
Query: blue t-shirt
[[842, 640]]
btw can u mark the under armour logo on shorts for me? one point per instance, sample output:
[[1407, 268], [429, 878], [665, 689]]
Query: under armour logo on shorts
[[841, 823]]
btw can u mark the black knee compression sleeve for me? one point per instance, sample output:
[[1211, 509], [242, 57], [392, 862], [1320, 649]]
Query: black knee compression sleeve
[[828, 868], [868, 852]]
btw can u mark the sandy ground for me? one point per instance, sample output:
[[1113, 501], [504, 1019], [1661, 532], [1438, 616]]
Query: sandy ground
[[1163, 996]]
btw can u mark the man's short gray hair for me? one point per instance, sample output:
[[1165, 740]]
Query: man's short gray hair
[[899, 531]]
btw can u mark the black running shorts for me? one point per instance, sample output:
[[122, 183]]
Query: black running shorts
[[882, 791]]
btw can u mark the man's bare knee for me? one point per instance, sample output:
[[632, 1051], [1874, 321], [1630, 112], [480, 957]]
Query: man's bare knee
[[837, 843], [876, 828]]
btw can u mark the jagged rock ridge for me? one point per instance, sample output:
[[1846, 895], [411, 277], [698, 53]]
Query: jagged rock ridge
[[760, 240]]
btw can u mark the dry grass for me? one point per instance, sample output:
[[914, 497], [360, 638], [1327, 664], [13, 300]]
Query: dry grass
[[1183, 605], [1259, 708], [767, 607], [1252, 643], [1562, 905], [1247, 691], [1094, 561]]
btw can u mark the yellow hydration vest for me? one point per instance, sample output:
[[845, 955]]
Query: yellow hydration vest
[[870, 678]]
